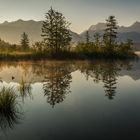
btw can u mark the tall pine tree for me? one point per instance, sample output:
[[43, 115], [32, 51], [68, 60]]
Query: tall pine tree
[[110, 34], [87, 37], [55, 31], [24, 41]]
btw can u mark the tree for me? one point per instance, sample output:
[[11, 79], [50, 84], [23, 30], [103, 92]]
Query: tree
[[126, 48], [110, 33], [24, 41], [129, 43], [39, 46], [87, 37], [97, 38], [55, 31]]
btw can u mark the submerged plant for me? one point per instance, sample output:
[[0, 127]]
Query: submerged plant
[[9, 108]]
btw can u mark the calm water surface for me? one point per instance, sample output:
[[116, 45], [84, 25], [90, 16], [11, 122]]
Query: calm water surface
[[63, 100]]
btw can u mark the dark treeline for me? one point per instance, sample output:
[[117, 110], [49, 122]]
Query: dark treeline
[[106, 45], [56, 42]]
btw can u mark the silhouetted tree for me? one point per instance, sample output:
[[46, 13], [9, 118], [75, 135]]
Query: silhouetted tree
[[87, 37], [129, 44], [125, 48], [40, 46], [97, 42], [24, 41], [55, 31], [5, 46], [110, 34]]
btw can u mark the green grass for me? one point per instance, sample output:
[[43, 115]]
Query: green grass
[[7, 99], [9, 108]]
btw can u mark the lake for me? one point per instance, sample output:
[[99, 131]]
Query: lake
[[70, 100]]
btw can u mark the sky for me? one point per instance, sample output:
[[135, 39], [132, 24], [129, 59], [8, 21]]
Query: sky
[[80, 13]]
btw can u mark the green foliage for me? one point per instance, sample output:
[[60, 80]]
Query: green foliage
[[110, 35], [24, 41], [106, 45], [84, 48], [7, 98], [55, 31], [40, 47], [110, 31], [97, 40], [5, 46], [125, 48]]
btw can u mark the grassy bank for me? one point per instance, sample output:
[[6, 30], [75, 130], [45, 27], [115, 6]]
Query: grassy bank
[[61, 55]]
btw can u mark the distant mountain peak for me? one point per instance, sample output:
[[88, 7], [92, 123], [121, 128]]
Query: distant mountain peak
[[11, 31], [19, 20], [136, 24], [5, 22], [97, 27], [22, 21]]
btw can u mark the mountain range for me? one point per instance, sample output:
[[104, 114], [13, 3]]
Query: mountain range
[[11, 31], [124, 33]]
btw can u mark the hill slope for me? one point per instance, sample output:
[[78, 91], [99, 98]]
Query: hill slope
[[131, 32], [11, 31]]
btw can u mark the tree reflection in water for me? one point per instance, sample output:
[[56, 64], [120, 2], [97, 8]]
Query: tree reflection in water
[[110, 74], [107, 72], [56, 76], [10, 110], [57, 83]]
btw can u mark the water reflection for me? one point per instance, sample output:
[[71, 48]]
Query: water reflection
[[10, 110], [106, 72], [110, 75], [57, 83], [25, 89], [82, 113], [56, 76]]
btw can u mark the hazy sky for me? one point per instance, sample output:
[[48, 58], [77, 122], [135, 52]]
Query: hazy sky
[[81, 13]]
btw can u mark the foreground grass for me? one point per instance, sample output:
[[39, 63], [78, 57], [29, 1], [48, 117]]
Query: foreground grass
[[7, 99], [9, 108]]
